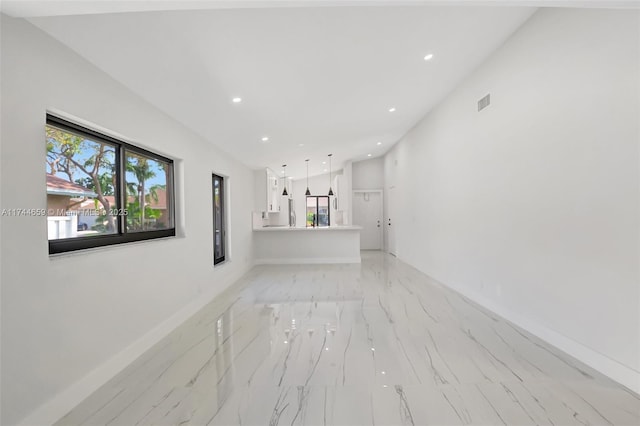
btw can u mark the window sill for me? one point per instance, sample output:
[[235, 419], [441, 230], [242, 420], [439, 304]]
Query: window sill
[[102, 249]]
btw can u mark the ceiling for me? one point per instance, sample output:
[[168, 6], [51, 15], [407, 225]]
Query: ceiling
[[33, 8], [314, 80]]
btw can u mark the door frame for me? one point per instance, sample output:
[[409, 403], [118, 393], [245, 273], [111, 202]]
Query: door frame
[[381, 192], [223, 220], [387, 224]]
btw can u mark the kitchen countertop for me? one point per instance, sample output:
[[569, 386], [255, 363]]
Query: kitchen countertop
[[316, 229]]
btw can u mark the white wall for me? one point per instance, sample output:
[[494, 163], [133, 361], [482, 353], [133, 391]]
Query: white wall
[[368, 174], [260, 190], [532, 206], [64, 317], [347, 215]]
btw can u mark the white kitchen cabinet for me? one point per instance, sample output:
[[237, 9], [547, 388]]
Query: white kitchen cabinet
[[339, 202], [273, 191]]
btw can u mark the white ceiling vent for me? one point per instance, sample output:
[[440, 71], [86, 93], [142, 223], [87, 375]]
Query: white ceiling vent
[[484, 102]]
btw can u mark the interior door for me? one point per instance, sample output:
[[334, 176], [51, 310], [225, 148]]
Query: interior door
[[391, 230], [367, 212]]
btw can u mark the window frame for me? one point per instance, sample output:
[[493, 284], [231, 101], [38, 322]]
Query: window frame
[[223, 222], [121, 236]]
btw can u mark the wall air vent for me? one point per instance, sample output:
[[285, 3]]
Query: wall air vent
[[484, 102]]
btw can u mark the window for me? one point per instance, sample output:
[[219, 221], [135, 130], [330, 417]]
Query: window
[[146, 182], [102, 191], [318, 211], [219, 233]]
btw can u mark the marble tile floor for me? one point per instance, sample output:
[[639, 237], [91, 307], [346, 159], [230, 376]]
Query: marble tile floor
[[371, 344]]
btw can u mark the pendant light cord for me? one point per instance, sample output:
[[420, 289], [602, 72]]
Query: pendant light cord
[[330, 190], [284, 179], [307, 193]]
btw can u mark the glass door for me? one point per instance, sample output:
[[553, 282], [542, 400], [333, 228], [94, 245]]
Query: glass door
[[323, 211], [318, 212]]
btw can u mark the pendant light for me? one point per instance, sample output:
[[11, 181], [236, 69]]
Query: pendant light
[[330, 190], [307, 193], [284, 179]]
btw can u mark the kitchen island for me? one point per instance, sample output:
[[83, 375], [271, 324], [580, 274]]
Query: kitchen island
[[290, 245]]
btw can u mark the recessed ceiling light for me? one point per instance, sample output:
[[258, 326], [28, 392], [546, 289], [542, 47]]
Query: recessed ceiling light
[[265, 138], [325, 170], [368, 155], [428, 57], [392, 109], [300, 144], [379, 143], [324, 162], [236, 100]]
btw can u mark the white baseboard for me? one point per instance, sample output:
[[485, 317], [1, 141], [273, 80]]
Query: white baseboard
[[54, 409], [611, 368], [307, 261]]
